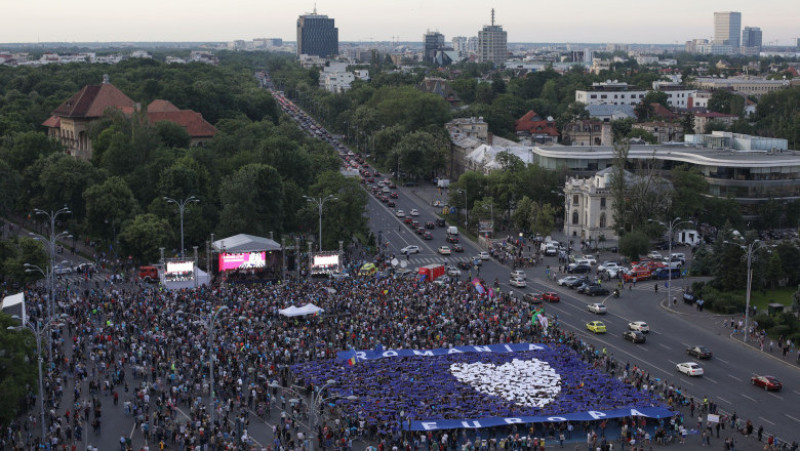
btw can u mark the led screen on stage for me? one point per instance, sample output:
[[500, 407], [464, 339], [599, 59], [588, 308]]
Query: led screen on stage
[[325, 264], [178, 271], [245, 260]]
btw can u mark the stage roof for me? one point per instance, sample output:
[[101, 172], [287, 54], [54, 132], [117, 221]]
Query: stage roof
[[245, 243]]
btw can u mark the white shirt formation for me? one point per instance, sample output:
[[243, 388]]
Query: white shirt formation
[[531, 383]]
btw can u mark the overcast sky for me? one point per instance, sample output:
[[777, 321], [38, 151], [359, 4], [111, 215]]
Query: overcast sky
[[642, 21]]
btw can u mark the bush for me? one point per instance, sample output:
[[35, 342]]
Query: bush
[[779, 331], [764, 321]]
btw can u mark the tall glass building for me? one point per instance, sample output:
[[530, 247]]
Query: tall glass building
[[728, 28], [317, 35]]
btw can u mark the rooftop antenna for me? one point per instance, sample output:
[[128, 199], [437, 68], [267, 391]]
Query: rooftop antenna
[[492, 16], [315, 8]]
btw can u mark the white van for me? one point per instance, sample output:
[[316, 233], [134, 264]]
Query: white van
[[452, 230]]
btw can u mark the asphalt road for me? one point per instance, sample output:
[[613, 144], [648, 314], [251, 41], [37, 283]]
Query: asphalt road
[[727, 375]]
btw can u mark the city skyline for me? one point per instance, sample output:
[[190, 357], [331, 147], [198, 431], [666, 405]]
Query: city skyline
[[580, 21]]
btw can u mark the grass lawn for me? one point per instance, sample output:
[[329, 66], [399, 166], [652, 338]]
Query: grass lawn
[[779, 295]]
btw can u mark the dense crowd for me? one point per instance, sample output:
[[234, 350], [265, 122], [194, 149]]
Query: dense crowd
[[148, 350]]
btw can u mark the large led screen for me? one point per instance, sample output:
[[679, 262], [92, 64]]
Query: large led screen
[[247, 260]]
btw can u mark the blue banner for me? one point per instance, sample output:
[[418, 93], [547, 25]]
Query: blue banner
[[503, 348], [592, 415], [475, 387]]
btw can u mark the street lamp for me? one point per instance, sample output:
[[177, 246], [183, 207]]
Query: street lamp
[[491, 212], [316, 402], [749, 249], [181, 207], [38, 329], [670, 230], [210, 322], [320, 203], [52, 216]]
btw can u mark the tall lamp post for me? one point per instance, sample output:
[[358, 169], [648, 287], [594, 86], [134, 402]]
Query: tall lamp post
[[50, 280], [181, 208], [749, 250], [38, 330], [52, 216], [670, 230], [320, 203], [316, 402], [210, 323], [491, 213]]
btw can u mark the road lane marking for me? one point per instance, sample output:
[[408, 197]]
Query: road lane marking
[[723, 399], [751, 399], [665, 346], [777, 396], [795, 419], [672, 362], [710, 380], [723, 361], [734, 377], [796, 392], [766, 420], [183, 413], [133, 429]]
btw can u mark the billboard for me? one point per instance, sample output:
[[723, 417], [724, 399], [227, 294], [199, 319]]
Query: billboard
[[179, 271], [325, 264], [247, 260]]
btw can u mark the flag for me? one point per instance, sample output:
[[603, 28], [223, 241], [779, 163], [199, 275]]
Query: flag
[[379, 348], [353, 358]]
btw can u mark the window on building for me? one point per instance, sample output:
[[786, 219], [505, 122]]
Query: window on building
[[603, 220], [602, 202], [575, 200], [575, 217]]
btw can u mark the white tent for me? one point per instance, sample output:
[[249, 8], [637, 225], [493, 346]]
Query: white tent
[[308, 309], [14, 304]]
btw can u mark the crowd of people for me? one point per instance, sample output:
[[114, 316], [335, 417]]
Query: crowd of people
[[148, 350]]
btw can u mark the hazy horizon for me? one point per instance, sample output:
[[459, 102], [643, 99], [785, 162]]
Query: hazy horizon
[[577, 21]]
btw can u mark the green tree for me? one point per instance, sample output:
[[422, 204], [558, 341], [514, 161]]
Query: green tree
[[17, 368], [687, 123], [343, 219], [634, 244], [252, 200], [774, 272], [108, 205], [172, 134], [142, 236], [690, 187], [726, 102], [63, 179]]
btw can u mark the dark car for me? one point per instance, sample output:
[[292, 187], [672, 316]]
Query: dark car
[[430, 225], [766, 382], [634, 336], [441, 222], [584, 287], [464, 265], [391, 204], [420, 230], [452, 238], [384, 199], [700, 352], [532, 298], [580, 269], [427, 235], [408, 220], [578, 282], [597, 290], [393, 195], [457, 247], [415, 224]]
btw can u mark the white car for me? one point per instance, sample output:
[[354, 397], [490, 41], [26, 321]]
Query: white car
[[590, 258], [399, 213], [414, 212], [518, 274], [411, 249], [690, 369], [61, 269], [444, 250], [608, 265], [484, 255], [517, 282], [655, 255], [641, 326], [452, 271], [597, 308], [564, 281]]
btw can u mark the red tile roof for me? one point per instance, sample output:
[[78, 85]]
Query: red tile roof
[[52, 122], [195, 125], [535, 127], [661, 111], [160, 106], [93, 100]]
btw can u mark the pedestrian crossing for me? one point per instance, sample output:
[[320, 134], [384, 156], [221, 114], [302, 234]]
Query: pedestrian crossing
[[416, 259]]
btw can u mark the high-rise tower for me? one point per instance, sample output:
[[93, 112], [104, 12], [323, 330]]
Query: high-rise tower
[[433, 41], [492, 44], [728, 28], [317, 35]]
